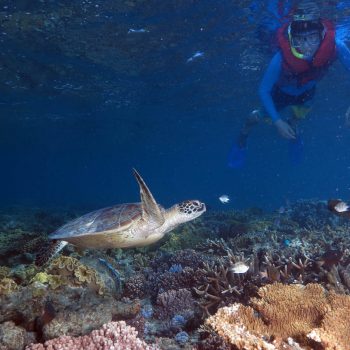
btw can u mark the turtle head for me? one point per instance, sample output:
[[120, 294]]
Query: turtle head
[[190, 209]]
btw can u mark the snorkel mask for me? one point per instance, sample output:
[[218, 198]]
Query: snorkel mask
[[306, 30]]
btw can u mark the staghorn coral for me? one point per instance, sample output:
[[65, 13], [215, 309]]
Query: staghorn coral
[[286, 314], [220, 286], [112, 335]]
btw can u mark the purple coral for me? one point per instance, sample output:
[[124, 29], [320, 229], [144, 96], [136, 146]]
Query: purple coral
[[135, 287], [112, 336], [174, 302]]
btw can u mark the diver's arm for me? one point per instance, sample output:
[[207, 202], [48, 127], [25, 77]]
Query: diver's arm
[[343, 53], [270, 78]]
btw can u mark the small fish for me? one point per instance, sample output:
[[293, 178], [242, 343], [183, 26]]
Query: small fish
[[224, 199], [341, 207], [195, 56], [239, 267], [142, 30]]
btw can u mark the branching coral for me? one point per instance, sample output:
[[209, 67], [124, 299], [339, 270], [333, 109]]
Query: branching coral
[[113, 335], [304, 314], [174, 302], [135, 286], [221, 285], [216, 286]]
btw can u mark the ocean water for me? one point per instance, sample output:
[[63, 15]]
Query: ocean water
[[91, 90], [85, 98]]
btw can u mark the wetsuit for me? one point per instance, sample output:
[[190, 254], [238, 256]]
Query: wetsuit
[[277, 92]]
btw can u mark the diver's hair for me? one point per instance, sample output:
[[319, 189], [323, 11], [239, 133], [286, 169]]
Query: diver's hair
[[307, 11], [306, 18]]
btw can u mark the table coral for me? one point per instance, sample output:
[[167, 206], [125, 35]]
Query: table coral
[[335, 327], [285, 313]]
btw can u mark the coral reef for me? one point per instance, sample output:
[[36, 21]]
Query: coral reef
[[113, 335], [174, 302], [283, 314], [75, 273], [168, 293], [13, 337]]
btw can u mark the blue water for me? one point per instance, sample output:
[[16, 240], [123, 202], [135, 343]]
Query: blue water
[[82, 102]]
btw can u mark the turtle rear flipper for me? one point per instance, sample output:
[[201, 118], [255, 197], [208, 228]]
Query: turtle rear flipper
[[48, 251]]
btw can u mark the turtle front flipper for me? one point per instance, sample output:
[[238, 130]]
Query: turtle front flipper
[[48, 251], [150, 208]]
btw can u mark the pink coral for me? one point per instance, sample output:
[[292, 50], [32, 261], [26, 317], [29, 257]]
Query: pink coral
[[112, 336]]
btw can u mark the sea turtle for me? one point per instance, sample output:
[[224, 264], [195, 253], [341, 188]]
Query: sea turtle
[[123, 225]]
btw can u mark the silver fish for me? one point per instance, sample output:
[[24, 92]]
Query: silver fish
[[142, 30], [239, 267], [224, 199], [195, 56], [341, 207]]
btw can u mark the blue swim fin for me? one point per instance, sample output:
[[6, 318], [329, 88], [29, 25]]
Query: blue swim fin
[[296, 150], [236, 157]]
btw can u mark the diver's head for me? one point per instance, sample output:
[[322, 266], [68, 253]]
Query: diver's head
[[306, 30]]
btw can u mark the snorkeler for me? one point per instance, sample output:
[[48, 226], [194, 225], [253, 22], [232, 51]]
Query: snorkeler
[[307, 46]]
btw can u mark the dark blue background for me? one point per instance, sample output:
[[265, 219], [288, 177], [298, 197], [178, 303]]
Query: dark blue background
[[75, 145]]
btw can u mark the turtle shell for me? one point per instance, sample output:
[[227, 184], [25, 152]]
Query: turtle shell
[[116, 218]]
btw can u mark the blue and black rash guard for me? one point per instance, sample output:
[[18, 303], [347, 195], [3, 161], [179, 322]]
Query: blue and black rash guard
[[272, 77]]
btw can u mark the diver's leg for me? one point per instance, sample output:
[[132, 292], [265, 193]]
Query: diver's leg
[[237, 155], [252, 120]]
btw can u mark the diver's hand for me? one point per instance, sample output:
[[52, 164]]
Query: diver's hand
[[285, 130]]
